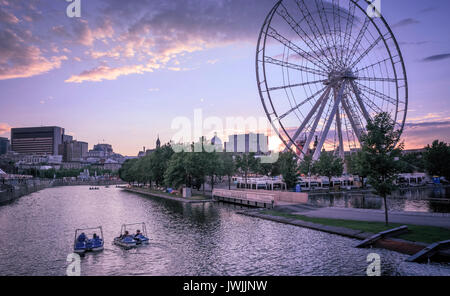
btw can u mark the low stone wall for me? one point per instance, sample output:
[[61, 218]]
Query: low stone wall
[[19, 188], [9, 193]]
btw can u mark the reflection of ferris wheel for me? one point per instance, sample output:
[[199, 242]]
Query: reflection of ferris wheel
[[326, 68]]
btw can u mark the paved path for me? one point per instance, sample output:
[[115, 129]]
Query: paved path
[[416, 218]]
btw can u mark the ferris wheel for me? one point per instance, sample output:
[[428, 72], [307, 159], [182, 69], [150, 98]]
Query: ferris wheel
[[324, 69]]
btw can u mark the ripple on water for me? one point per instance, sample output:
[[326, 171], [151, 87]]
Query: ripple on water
[[186, 239]]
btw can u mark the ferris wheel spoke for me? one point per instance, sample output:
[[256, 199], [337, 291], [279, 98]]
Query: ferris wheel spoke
[[321, 101], [312, 23], [301, 104], [370, 103], [358, 40], [324, 21], [377, 79], [349, 27], [304, 54], [357, 93], [294, 66], [366, 52], [299, 31], [374, 64], [295, 85], [377, 93], [329, 121]]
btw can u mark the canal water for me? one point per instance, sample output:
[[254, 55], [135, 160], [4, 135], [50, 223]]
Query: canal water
[[37, 233], [428, 200]]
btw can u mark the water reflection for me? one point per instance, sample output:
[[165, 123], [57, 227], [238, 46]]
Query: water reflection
[[186, 239], [415, 200]]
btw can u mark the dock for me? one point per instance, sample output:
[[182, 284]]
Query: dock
[[259, 198]]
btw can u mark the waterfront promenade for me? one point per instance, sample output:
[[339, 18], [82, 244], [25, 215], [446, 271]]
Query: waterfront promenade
[[415, 218]]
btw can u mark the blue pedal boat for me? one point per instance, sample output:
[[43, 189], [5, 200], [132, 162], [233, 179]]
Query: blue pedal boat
[[83, 243], [127, 240]]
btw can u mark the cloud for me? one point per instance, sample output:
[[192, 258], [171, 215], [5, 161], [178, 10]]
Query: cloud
[[418, 135], [20, 60], [4, 128], [437, 57], [406, 22], [428, 9], [7, 17], [108, 73]]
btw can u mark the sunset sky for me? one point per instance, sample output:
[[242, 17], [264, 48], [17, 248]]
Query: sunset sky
[[123, 71]]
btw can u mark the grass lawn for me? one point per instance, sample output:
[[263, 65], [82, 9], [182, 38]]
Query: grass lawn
[[418, 233]]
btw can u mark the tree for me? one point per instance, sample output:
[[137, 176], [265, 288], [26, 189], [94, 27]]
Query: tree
[[228, 166], [437, 159], [306, 165], [176, 173], [380, 154], [214, 166], [289, 168], [268, 169], [126, 172], [329, 165], [246, 163], [357, 167], [159, 161]]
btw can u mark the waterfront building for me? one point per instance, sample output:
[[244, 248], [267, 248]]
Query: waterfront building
[[4, 145], [217, 143], [149, 151], [246, 143], [37, 140], [73, 150]]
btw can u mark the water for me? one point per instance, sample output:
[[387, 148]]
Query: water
[[428, 200], [37, 233]]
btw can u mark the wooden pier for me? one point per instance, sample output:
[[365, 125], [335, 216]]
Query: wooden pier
[[259, 198], [247, 198]]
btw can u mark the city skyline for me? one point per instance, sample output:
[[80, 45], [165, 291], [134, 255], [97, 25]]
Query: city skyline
[[122, 72]]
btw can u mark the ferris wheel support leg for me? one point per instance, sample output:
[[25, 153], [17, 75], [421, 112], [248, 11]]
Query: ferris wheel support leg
[[360, 102], [313, 129], [330, 120], [323, 97], [339, 128], [352, 121]]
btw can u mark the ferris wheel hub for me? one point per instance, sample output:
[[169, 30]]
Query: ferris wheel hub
[[339, 75]]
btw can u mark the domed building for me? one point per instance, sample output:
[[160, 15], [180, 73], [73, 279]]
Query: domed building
[[217, 143]]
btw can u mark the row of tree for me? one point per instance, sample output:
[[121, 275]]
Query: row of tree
[[379, 162]]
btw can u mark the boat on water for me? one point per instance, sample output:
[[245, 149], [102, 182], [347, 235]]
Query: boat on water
[[94, 188], [88, 240], [127, 240]]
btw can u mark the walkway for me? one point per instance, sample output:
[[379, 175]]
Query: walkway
[[415, 218]]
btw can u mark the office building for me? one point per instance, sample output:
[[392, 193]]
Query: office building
[[37, 140], [73, 151], [4, 145]]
